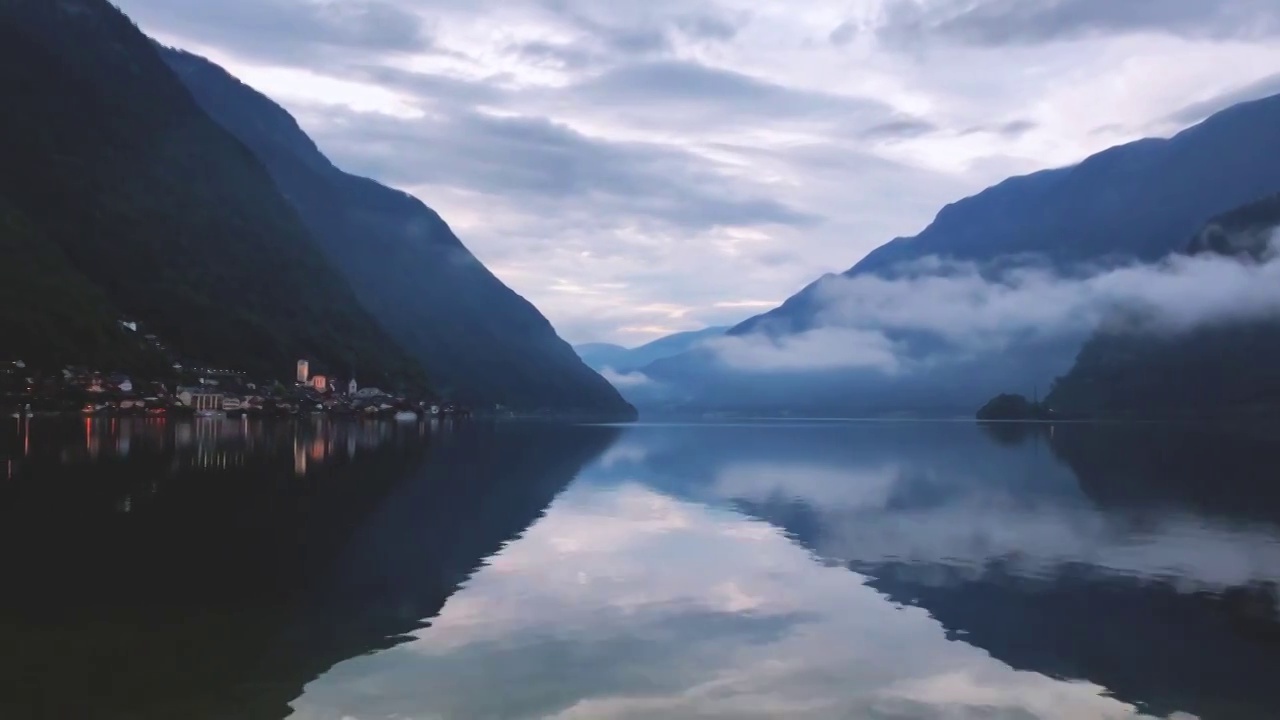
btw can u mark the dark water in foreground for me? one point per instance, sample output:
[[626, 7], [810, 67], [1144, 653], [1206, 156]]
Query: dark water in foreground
[[317, 571]]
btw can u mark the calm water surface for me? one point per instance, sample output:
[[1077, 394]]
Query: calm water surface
[[366, 571]]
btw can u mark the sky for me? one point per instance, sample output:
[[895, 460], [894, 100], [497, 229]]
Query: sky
[[641, 167]]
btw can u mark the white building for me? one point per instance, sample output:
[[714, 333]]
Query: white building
[[200, 399], [304, 371], [352, 387]]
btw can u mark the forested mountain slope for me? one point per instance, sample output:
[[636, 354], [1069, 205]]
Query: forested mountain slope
[[1229, 366], [128, 189]]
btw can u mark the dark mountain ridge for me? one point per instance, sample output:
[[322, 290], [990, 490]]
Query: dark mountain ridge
[[478, 339], [135, 197]]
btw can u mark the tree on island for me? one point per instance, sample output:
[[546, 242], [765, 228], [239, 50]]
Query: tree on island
[[1013, 407]]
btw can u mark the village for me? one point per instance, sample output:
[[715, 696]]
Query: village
[[202, 392]]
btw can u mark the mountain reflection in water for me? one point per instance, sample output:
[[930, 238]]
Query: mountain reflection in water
[[210, 569], [322, 571]]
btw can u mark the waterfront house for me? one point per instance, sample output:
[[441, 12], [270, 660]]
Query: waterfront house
[[199, 398]]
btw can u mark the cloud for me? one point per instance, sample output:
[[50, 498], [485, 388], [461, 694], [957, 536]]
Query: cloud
[[290, 32], [1011, 129], [824, 349], [561, 55], [708, 26], [428, 88], [1017, 22], [631, 29], [933, 310], [625, 380], [905, 128], [541, 160], [843, 34], [679, 85], [1197, 111]]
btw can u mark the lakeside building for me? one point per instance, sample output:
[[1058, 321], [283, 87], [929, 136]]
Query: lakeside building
[[198, 398]]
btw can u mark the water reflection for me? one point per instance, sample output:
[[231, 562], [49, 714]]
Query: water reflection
[[210, 569], [866, 571], [200, 443], [372, 570]]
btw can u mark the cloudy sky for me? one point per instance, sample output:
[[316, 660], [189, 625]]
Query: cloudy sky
[[639, 167]]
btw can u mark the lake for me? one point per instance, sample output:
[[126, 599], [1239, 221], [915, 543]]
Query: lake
[[367, 570]]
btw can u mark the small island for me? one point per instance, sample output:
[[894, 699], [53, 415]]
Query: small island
[[1012, 407]]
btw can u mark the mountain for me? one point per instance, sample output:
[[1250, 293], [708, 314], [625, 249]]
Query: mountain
[[72, 317], [479, 340], [599, 356], [1136, 201], [1229, 367], [134, 201], [620, 359]]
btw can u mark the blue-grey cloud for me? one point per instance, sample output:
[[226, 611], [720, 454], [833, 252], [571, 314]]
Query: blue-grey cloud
[[1197, 111], [1011, 129], [428, 89], [1011, 22], [904, 128], [560, 55], [287, 31], [537, 159], [843, 34], [708, 26], [642, 27], [672, 85]]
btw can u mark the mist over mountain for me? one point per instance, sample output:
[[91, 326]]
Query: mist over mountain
[[1132, 367], [121, 196], [479, 340], [1002, 289], [607, 356]]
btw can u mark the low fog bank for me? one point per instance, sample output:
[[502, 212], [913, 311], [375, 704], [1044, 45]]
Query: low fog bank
[[933, 311], [938, 334]]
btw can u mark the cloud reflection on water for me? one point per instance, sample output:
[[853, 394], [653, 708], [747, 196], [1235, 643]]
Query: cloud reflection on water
[[628, 601]]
